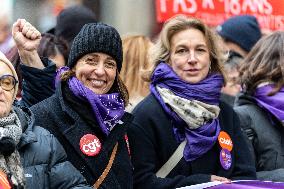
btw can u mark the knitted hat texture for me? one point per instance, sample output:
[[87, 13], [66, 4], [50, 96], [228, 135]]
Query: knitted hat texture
[[96, 37], [243, 30]]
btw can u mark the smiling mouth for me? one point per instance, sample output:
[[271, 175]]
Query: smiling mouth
[[97, 83]]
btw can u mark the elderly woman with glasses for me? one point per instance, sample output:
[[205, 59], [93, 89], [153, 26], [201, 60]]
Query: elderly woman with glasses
[[30, 157]]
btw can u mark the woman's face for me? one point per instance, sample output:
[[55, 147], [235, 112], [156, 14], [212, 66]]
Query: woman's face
[[96, 71], [6, 97], [189, 55]]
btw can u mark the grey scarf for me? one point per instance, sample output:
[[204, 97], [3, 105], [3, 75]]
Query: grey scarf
[[10, 127], [195, 113]]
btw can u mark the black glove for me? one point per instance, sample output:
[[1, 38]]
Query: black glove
[[7, 146]]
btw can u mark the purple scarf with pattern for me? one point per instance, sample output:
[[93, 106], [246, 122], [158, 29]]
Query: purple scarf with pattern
[[107, 108], [273, 104], [201, 140]]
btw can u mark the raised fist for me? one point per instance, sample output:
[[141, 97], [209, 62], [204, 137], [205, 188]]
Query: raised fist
[[26, 36]]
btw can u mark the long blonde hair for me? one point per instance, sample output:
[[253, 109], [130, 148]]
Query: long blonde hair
[[135, 61]]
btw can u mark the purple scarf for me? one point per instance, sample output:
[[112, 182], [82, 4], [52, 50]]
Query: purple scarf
[[108, 108], [253, 184], [200, 140], [273, 104]]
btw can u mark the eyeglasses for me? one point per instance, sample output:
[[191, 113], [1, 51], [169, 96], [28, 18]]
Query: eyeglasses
[[8, 82]]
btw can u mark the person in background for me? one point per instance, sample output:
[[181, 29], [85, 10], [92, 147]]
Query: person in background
[[54, 48], [239, 34], [86, 113], [6, 40], [135, 61], [183, 112], [260, 105], [232, 87], [70, 21], [30, 157]]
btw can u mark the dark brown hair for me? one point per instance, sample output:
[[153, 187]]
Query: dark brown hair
[[264, 63], [50, 45]]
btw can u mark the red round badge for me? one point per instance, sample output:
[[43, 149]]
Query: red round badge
[[90, 145]]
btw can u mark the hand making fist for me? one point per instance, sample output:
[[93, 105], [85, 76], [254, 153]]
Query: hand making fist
[[26, 36]]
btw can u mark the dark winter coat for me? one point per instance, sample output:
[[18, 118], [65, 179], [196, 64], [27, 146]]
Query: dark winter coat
[[69, 119], [44, 159], [266, 139], [38, 84], [152, 142]]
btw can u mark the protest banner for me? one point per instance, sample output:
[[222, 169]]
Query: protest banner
[[270, 13]]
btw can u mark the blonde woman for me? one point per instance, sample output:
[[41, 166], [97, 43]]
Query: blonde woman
[[135, 61], [183, 111]]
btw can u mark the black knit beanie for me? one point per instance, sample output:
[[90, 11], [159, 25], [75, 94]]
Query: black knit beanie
[[96, 37], [243, 30]]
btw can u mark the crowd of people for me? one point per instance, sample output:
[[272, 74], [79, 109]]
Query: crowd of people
[[83, 107]]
